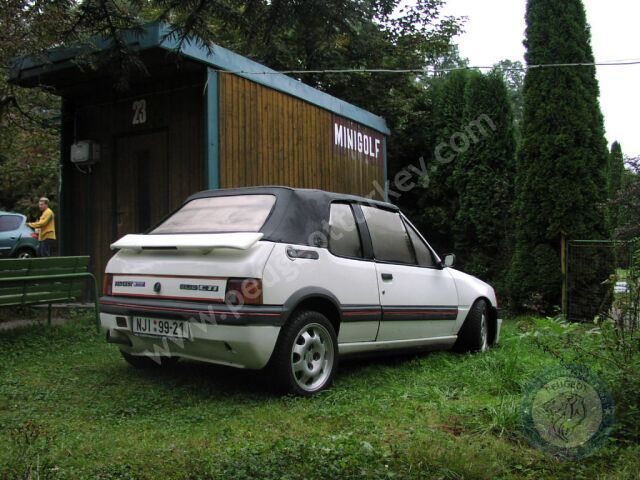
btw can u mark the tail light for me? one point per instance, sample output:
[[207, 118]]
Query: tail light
[[107, 284], [244, 291], [34, 235]]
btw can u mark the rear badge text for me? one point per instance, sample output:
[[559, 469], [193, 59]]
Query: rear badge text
[[120, 283], [199, 288]]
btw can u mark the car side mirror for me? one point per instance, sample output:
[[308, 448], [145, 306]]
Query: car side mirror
[[449, 261]]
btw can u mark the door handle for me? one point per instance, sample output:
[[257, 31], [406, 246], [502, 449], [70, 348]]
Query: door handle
[[387, 276]]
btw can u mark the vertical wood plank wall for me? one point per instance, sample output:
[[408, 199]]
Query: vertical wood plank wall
[[91, 207], [270, 138]]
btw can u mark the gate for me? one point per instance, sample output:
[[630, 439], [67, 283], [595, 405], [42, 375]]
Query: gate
[[591, 268]]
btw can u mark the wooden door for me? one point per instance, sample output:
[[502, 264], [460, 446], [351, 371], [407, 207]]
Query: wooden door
[[142, 184]]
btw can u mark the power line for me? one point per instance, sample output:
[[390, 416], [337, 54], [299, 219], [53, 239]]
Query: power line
[[432, 70], [595, 64]]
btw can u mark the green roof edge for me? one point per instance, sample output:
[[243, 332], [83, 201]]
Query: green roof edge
[[158, 35]]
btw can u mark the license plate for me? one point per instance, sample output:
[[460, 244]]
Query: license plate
[[160, 327]]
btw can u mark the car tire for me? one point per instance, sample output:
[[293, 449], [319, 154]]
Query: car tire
[[25, 253], [305, 358], [148, 362], [474, 334]]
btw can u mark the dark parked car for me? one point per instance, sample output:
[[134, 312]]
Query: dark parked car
[[17, 239]]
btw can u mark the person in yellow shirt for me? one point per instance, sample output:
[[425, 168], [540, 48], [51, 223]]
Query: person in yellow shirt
[[46, 228]]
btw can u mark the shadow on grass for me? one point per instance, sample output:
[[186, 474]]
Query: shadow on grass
[[195, 379], [388, 360], [208, 382]]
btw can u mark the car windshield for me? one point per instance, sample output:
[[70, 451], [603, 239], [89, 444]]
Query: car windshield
[[238, 213], [9, 223]]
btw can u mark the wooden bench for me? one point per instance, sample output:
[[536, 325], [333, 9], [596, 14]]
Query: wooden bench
[[45, 281]]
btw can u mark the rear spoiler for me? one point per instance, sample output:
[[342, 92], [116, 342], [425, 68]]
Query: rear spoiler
[[203, 242]]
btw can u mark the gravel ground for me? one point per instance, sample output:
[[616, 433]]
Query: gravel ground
[[37, 315]]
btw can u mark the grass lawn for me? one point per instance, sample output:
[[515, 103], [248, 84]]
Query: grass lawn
[[71, 408]]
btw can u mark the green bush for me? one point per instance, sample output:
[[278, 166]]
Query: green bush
[[612, 348]]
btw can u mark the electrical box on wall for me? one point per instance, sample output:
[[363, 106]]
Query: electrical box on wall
[[85, 152]]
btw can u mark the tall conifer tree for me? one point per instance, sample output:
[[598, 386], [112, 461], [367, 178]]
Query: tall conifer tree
[[615, 176], [438, 200], [484, 177], [560, 184]]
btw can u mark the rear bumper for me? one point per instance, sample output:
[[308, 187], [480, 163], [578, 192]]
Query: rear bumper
[[208, 313], [241, 337]]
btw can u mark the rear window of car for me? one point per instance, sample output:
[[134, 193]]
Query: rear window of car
[[238, 213], [9, 223]]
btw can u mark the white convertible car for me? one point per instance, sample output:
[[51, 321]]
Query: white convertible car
[[288, 279]]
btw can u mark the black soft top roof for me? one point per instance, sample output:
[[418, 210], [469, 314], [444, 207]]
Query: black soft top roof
[[300, 216]]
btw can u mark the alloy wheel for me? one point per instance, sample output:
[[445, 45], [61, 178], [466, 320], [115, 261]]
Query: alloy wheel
[[312, 357]]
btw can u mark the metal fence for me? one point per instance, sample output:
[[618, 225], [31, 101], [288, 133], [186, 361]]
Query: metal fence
[[596, 270]]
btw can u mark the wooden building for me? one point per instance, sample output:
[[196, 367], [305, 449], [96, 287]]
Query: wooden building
[[197, 118]]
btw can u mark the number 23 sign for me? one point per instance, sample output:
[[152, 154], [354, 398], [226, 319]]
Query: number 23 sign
[[139, 108]]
